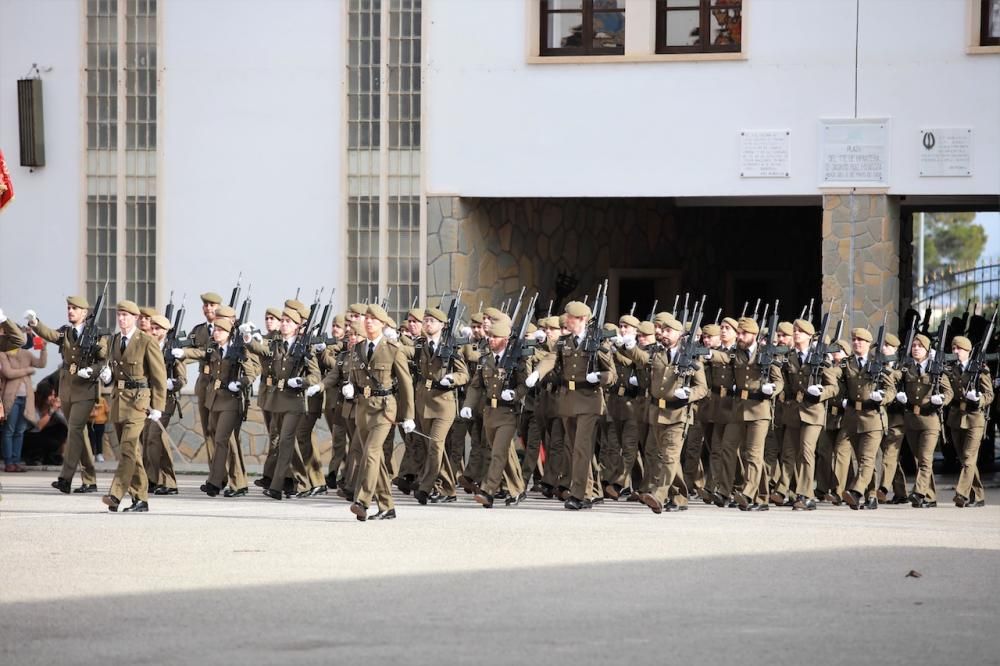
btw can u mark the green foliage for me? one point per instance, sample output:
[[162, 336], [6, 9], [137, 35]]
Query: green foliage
[[951, 240]]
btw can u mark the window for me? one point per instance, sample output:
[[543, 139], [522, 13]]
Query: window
[[989, 23], [582, 27], [698, 26]]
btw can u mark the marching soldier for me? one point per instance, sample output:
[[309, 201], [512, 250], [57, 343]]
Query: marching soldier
[[779, 458], [272, 321], [555, 477], [335, 380], [156, 455], [414, 447], [966, 422], [698, 445], [139, 378], [475, 467], [201, 337], [333, 402], [724, 463], [826, 482], [77, 389], [890, 471], [624, 408]]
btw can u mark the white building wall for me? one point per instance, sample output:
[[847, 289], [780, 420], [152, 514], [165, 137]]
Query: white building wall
[[498, 126]]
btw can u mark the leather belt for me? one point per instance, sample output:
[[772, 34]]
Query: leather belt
[[431, 384], [127, 384], [381, 392], [663, 403], [864, 405], [751, 395], [497, 402]]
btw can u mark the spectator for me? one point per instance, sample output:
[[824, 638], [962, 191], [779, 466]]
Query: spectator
[[18, 397], [95, 427], [42, 445]]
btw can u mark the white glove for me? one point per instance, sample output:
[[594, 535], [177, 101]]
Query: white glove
[[347, 390], [446, 380], [973, 395], [901, 398], [85, 373], [30, 317], [708, 355], [3, 317], [390, 333], [313, 390], [876, 395], [234, 387], [618, 341], [815, 390], [256, 336], [633, 381], [843, 403], [154, 415], [628, 341], [996, 383], [319, 348], [531, 379], [465, 412], [177, 353], [540, 336], [767, 389], [593, 377], [683, 393], [408, 426], [295, 382], [246, 328], [170, 385], [465, 332], [937, 399], [507, 395], [106, 375]]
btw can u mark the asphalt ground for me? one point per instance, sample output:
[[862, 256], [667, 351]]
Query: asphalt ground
[[201, 580]]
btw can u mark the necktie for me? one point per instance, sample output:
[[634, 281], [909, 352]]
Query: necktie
[[430, 345], [498, 360], [371, 350], [802, 358], [73, 335], [285, 346], [124, 343]]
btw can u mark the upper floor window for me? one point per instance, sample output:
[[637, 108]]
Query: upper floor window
[[989, 23], [582, 27], [699, 26]]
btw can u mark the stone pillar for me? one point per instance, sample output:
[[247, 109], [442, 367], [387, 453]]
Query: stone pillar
[[873, 222]]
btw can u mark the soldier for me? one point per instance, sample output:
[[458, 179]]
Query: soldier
[[272, 321], [502, 394], [672, 392], [779, 459], [157, 458], [581, 398], [698, 445], [333, 402], [966, 422], [201, 337], [555, 479], [415, 449], [645, 340], [461, 427], [136, 371], [530, 427], [77, 389], [724, 463], [864, 421], [479, 454], [145, 321], [335, 380], [923, 399], [624, 408], [826, 482], [890, 471], [381, 381], [232, 371]]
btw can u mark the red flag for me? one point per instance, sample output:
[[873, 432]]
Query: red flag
[[6, 186]]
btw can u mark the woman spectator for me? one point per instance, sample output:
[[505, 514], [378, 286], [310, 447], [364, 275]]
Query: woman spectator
[[95, 427], [43, 443], [18, 396]]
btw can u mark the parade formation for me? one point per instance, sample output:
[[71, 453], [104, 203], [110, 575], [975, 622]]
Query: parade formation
[[750, 412]]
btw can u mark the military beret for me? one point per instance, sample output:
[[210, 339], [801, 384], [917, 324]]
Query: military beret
[[646, 328], [670, 323], [805, 326], [358, 326], [731, 323], [608, 326], [844, 346], [435, 313], [562, 320], [629, 320], [748, 325], [531, 328], [416, 314], [211, 297], [862, 333], [662, 317], [78, 302], [710, 329], [161, 321], [128, 306], [225, 311], [785, 327], [476, 317], [577, 309], [503, 318], [391, 323], [962, 342], [273, 312], [147, 311], [500, 329], [922, 340], [378, 312], [358, 308], [891, 340], [223, 324], [550, 322], [292, 314], [492, 313], [298, 306], [339, 320]]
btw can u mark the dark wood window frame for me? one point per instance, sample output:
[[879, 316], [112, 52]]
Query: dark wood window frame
[[704, 7], [587, 48], [984, 25]]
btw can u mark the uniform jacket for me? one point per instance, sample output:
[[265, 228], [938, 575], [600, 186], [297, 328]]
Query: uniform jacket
[[963, 413], [570, 365], [434, 401], [273, 355], [664, 380], [862, 414], [201, 338], [11, 336], [750, 403], [386, 372], [218, 397], [141, 362], [800, 406], [719, 375], [919, 413], [71, 387], [488, 384]]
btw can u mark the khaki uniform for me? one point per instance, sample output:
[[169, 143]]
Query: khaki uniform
[[890, 472], [139, 384], [201, 338], [862, 427], [157, 458], [77, 395], [923, 421], [966, 423], [724, 464], [825, 480], [557, 456], [625, 405], [479, 447], [331, 363], [226, 413]]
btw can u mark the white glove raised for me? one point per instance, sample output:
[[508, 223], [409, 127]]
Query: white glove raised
[[390, 333], [465, 332], [540, 335], [507, 395], [973, 395], [937, 399], [347, 390], [446, 380], [313, 390], [154, 415], [767, 389], [815, 390], [106, 375], [256, 336], [628, 341], [593, 377], [246, 328], [901, 397], [618, 341], [234, 387], [633, 381], [408, 426], [295, 382], [30, 317], [85, 373], [843, 403], [177, 353], [319, 348], [531, 379], [170, 385], [683, 393], [465, 412], [876, 395]]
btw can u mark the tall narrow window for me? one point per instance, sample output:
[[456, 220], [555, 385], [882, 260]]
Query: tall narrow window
[[582, 27], [989, 23], [699, 26]]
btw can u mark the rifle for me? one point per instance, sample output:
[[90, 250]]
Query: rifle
[[90, 336], [743, 312], [977, 360], [631, 312], [770, 351], [685, 317], [451, 339], [412, 305], [832, 347], [169, 311], [234, 297], [690, 347], [236, 354], [763, 319], [169, 344], [965, 317], [596, 334], [673, 311], [878, 362], [652, 312], [548, 313], [911, 333], [809, 318], [301, 349], [517, 346], [816, 359], [925, 324]]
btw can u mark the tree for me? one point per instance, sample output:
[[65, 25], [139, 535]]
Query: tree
[[951, 240]]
